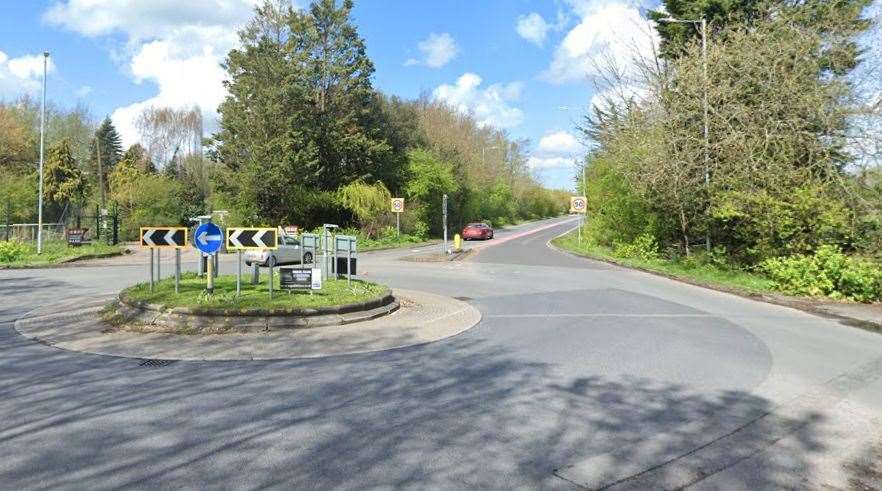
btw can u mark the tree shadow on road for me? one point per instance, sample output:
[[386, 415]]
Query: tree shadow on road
[[454, 414]]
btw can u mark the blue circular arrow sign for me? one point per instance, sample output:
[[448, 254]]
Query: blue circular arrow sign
[[208, 238]]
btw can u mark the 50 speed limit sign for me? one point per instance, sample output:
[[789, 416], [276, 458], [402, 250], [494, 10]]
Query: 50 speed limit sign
[[397, 205], [578, 204]]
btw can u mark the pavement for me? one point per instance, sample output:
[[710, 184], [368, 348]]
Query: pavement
[[580, 375]]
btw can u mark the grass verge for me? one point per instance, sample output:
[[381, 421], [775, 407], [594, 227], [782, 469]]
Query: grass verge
[[192, 293], [702, 274], [58, 252]]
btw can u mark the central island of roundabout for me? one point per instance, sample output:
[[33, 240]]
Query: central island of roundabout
[[344, 317]]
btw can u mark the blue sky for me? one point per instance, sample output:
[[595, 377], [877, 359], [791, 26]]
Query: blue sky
[[521, 65]]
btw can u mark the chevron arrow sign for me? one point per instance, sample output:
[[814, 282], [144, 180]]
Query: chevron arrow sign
[[252, 238], [167, 237]]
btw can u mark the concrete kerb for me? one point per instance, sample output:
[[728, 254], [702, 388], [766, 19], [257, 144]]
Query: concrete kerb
[[159, 318], [422, 318]]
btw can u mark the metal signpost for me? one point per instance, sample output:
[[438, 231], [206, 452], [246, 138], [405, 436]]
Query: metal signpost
[[209, 238], [241, 239], [165, 238], [579, 204], [398, 209], [311, 242], [327, 263], [346, 244], [444, 222]]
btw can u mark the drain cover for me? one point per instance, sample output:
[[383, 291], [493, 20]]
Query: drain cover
[[464, 299], [156, 363]]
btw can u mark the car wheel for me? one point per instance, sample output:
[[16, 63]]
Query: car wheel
[[271, 261], [307, 258]]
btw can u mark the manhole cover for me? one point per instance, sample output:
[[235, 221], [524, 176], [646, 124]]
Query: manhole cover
[[156, 363], [464, 299]]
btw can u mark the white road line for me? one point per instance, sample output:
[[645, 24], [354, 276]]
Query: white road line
[[513, 316]]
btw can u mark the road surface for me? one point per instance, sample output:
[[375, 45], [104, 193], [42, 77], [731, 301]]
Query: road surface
[[580, 375]]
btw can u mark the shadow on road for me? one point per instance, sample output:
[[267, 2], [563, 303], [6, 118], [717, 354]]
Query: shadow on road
[[449, 415]]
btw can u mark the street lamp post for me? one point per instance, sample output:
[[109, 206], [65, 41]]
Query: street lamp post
[[706, 106], [42, 138]]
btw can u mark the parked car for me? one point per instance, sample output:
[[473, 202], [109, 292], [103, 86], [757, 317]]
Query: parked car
[[287, 253], [479, 231]]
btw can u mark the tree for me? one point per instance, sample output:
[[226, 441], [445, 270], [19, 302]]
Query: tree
[[16, 143], [106, 152], [301, 106], [837, 22], [171, 134], [368, 202], [137, 155], [63, 181]]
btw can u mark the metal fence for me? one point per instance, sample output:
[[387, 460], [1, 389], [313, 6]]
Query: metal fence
[[27, 232]]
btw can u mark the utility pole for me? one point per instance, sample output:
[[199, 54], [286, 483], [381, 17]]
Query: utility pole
[[42, 142]]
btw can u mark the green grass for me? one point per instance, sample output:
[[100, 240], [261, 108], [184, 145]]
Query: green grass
[[365, 244], [193, 295], [56, 252], [704, 274]]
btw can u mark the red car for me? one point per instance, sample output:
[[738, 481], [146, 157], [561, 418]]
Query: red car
[[479, 231]]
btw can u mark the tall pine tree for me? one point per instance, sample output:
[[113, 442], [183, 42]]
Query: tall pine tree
[[64, 181]]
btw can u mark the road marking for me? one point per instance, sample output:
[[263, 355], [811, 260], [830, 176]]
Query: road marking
[[512, 316]]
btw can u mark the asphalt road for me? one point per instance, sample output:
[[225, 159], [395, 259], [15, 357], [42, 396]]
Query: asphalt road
[[580, 374]]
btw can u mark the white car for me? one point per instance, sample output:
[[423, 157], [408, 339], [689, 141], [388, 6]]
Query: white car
[[287, 253]]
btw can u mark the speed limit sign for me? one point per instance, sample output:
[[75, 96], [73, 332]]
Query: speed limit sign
[[397, 205], [578, 204]]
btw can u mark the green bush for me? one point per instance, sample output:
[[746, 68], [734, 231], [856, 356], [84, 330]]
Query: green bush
[[12, 250], [643, 247], [828, 273]]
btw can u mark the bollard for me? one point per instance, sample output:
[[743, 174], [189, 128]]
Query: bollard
[[255, 274], [457, 243]]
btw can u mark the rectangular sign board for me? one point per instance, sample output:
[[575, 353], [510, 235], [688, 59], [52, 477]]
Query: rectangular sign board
[[75, 236], [345, 243], [295, 278], [164, 237], [309, 241], [252, 238], [397, 205], [343, 269]]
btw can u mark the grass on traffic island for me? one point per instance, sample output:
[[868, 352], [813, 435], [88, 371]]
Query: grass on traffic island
[[731, 280], [193, 295], [24, 254]]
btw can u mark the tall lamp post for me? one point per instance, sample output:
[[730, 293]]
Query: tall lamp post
[[703, 25], [42, 138]]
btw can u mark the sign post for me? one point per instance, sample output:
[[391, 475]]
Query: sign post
[[397, 209], [250, 238], [208, 238], [164, 238], [345, 244], [444, 221], [579, 204]]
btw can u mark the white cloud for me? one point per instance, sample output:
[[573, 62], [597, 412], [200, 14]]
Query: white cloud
[[178, 46], [490, 106], [533, 28], [535, 162], [608, 32], [22, 74], [83, 91], [560, 143], [437, 50]]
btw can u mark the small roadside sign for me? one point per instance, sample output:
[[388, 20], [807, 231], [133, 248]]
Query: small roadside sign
[[164, 237], [316, 278], [397, 205], [292, 229], [296, 278], [252, 238], [75, 236], [578, 204], [208, 238]]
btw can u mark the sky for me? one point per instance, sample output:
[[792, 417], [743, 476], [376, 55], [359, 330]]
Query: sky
[[525, 66]]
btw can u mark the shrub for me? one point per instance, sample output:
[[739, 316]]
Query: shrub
[[828, 273], [12, 250], [643, 247]]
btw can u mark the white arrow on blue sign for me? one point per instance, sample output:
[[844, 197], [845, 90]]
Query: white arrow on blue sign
[[208, 238]]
